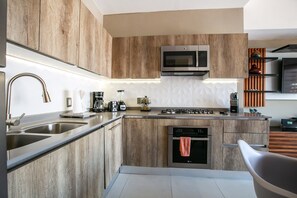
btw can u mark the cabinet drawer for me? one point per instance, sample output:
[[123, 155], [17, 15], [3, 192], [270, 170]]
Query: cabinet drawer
[[113, 124], [230, 139], [246, 126]]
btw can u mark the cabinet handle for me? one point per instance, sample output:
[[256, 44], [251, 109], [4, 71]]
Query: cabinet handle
[[194, 139], [251, 145], [114, 126]]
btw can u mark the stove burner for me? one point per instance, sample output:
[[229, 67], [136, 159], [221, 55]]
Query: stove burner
[[187, 111]]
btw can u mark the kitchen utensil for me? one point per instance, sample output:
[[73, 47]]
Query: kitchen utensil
[[113, 106], [121, 104], [144, 102], [97, 101]]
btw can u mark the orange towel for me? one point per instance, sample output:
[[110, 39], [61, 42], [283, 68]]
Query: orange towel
[[185, 146]]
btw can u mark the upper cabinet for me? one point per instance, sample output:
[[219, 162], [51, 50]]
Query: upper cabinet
[[89, 34], [23, 22], [135, 57], [59, 29], [228, 55], [143, 61], [106, 53]]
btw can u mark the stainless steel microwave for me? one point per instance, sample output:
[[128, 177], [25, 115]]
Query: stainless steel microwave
[[185, 60]]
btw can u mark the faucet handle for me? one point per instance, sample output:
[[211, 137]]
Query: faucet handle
[[15, 122]]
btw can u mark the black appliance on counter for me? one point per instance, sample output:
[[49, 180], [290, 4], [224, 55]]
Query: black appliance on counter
[[113, 106], [97, 101], [289, 124]]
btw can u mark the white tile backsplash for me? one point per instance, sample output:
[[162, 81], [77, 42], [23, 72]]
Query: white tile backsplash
[[175, 92]]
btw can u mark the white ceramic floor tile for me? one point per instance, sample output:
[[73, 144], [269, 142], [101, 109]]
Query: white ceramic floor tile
[[147, 186], [233, 188], [118, 186], [189, 187]]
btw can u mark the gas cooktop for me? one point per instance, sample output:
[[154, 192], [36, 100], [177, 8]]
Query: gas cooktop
[[187, 111]]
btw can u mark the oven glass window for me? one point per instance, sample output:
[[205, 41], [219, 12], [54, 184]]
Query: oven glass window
[[180, 59], [198, 153]]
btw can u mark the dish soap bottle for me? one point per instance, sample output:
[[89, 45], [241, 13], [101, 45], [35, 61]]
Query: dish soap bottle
[[122, 106]]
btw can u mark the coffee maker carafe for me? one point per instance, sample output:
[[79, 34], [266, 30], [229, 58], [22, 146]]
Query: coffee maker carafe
[[97, 101]]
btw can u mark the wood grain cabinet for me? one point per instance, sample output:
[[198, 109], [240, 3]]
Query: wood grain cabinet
[[228, 55], [59, 29], [253, 132], [105, 53], [74, 170], [135, 57], [140, 142], [113, 150], [23, 22]]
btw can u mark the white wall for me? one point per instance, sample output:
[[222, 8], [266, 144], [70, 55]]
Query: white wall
[[270, 14]]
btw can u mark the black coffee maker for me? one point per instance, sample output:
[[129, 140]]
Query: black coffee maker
[[97, 101]]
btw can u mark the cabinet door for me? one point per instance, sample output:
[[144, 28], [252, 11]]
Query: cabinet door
[[113, 150], [143, 57], [106, 53], [232, 159], [228, 55], [246, 126], [23, 22], [88, 39], [140, 142], [75, 170], [120, 57], [59, 29]]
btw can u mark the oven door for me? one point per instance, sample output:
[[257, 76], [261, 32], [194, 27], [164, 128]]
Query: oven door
[[179, 58], [199, 152]]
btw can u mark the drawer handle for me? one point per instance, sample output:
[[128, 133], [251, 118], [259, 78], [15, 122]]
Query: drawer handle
[[115, 126], [194, 139], [252, 145]]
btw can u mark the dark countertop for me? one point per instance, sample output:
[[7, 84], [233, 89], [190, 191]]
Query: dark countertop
[[26, 153]]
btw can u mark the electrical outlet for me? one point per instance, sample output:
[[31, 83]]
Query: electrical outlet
[[68, 102]]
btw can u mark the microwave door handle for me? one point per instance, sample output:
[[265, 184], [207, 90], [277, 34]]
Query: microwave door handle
[[197, 58]]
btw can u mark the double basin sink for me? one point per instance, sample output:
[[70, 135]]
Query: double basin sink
[[36, 133]]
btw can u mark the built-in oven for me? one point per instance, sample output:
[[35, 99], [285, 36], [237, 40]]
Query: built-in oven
[[184, 59], [200, 146]]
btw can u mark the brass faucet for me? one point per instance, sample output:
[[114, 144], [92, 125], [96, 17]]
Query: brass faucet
[[46, 98]]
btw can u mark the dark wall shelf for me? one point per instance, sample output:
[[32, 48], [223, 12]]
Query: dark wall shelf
[[256, 91], [265, 59], [265, 75]]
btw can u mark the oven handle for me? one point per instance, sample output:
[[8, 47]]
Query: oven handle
[[197, 59], [194, 139], [251, 145]]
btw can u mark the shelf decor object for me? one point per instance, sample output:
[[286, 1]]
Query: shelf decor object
[[254, 86]]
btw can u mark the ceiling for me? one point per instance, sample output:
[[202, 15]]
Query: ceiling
[[107, 7]]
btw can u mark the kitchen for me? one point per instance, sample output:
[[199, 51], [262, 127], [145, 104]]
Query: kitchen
[[74, 80]]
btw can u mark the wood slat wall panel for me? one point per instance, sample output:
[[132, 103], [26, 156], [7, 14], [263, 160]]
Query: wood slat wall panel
[[255, 99], [284, 143]]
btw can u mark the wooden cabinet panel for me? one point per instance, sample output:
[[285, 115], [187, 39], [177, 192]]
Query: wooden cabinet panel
[[216, 127], [59, 29], [228, 55], [140, 142], [23, 22], [232, 159], [87, 39], [246, 126], [121, 57], [71, 171], [143, 53], [113, 150], [284, 143], [106, 53]]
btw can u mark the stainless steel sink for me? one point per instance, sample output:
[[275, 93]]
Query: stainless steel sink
[[19, 140], [54, 128]]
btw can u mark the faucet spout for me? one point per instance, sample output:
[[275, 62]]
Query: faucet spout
[[46, 97]]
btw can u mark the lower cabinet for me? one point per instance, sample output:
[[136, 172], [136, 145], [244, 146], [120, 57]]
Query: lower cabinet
[[140, 142], [254, 133], [74, 170], [113, 150]]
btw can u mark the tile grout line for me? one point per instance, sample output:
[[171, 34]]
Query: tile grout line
[[219, 188], [121, 193], [171, 186]]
